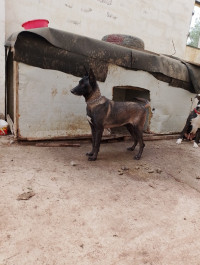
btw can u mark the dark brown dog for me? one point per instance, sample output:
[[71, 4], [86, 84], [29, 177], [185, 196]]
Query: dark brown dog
[[104, 113]]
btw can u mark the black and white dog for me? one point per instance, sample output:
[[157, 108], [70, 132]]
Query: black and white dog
[[191, 131]]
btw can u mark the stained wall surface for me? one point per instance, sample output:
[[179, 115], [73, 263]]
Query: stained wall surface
[[2, 58], [47, 109], [162, 25]]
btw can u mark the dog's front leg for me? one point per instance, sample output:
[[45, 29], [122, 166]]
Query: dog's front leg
[[97, 141], [93, 131], [180, 139], [197, 137]]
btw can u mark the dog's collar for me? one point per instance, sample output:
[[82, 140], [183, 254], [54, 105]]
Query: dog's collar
[[94, 100], [197, 112]]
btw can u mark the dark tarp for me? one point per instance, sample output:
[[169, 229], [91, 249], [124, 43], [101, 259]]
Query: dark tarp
[[194, 72], [49, 48]]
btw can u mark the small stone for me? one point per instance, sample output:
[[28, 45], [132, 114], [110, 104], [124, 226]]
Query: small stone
[[137, 167], [73, 164], [124, 168], [151, 171], [158, 170], [26, 195]]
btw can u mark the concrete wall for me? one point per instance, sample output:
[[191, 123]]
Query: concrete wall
[[159, 23], [48, 110], [162, 25], [2, 58], [192, 55]]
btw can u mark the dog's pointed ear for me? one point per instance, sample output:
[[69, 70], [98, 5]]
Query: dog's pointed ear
[[86, 71], [92, 78]]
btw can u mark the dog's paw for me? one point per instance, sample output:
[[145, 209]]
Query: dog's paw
[[179, 141], [89, 154], [195, 145], [137, 157], [92, 158], [130, 148]]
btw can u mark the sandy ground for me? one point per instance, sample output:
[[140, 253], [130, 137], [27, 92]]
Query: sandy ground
[[114, 211]]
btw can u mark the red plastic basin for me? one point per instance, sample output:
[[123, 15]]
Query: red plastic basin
[[37, 23]]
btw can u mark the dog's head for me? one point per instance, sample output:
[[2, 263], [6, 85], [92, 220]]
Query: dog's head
[[198, 97], [195, 101], [86, 86], [198, 107]]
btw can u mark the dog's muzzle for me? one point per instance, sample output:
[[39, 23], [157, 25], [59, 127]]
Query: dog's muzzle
[[72, 91]]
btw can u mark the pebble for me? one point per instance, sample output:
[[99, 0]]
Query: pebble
[[72, 163], [26, 195], [124, 168]]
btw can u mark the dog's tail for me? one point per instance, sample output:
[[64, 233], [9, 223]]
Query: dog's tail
[[143, 100]]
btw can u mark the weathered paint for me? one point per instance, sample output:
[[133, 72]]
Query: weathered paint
[[192, 55], [170, 105], [162, 25], [2, 58], [48, 110], [46, 107], [16, 96]]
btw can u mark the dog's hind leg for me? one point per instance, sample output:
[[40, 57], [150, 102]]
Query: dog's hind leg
[[139, 136], [96, 146], [130, 128], [197, 137]]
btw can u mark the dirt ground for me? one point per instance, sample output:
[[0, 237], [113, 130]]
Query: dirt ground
[[114, 211]]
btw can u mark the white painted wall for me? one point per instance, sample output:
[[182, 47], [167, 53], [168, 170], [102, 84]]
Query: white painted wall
[[192, 55], [47, 108], [157, 22], [172, 105], [161, 24], [2, 57]]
